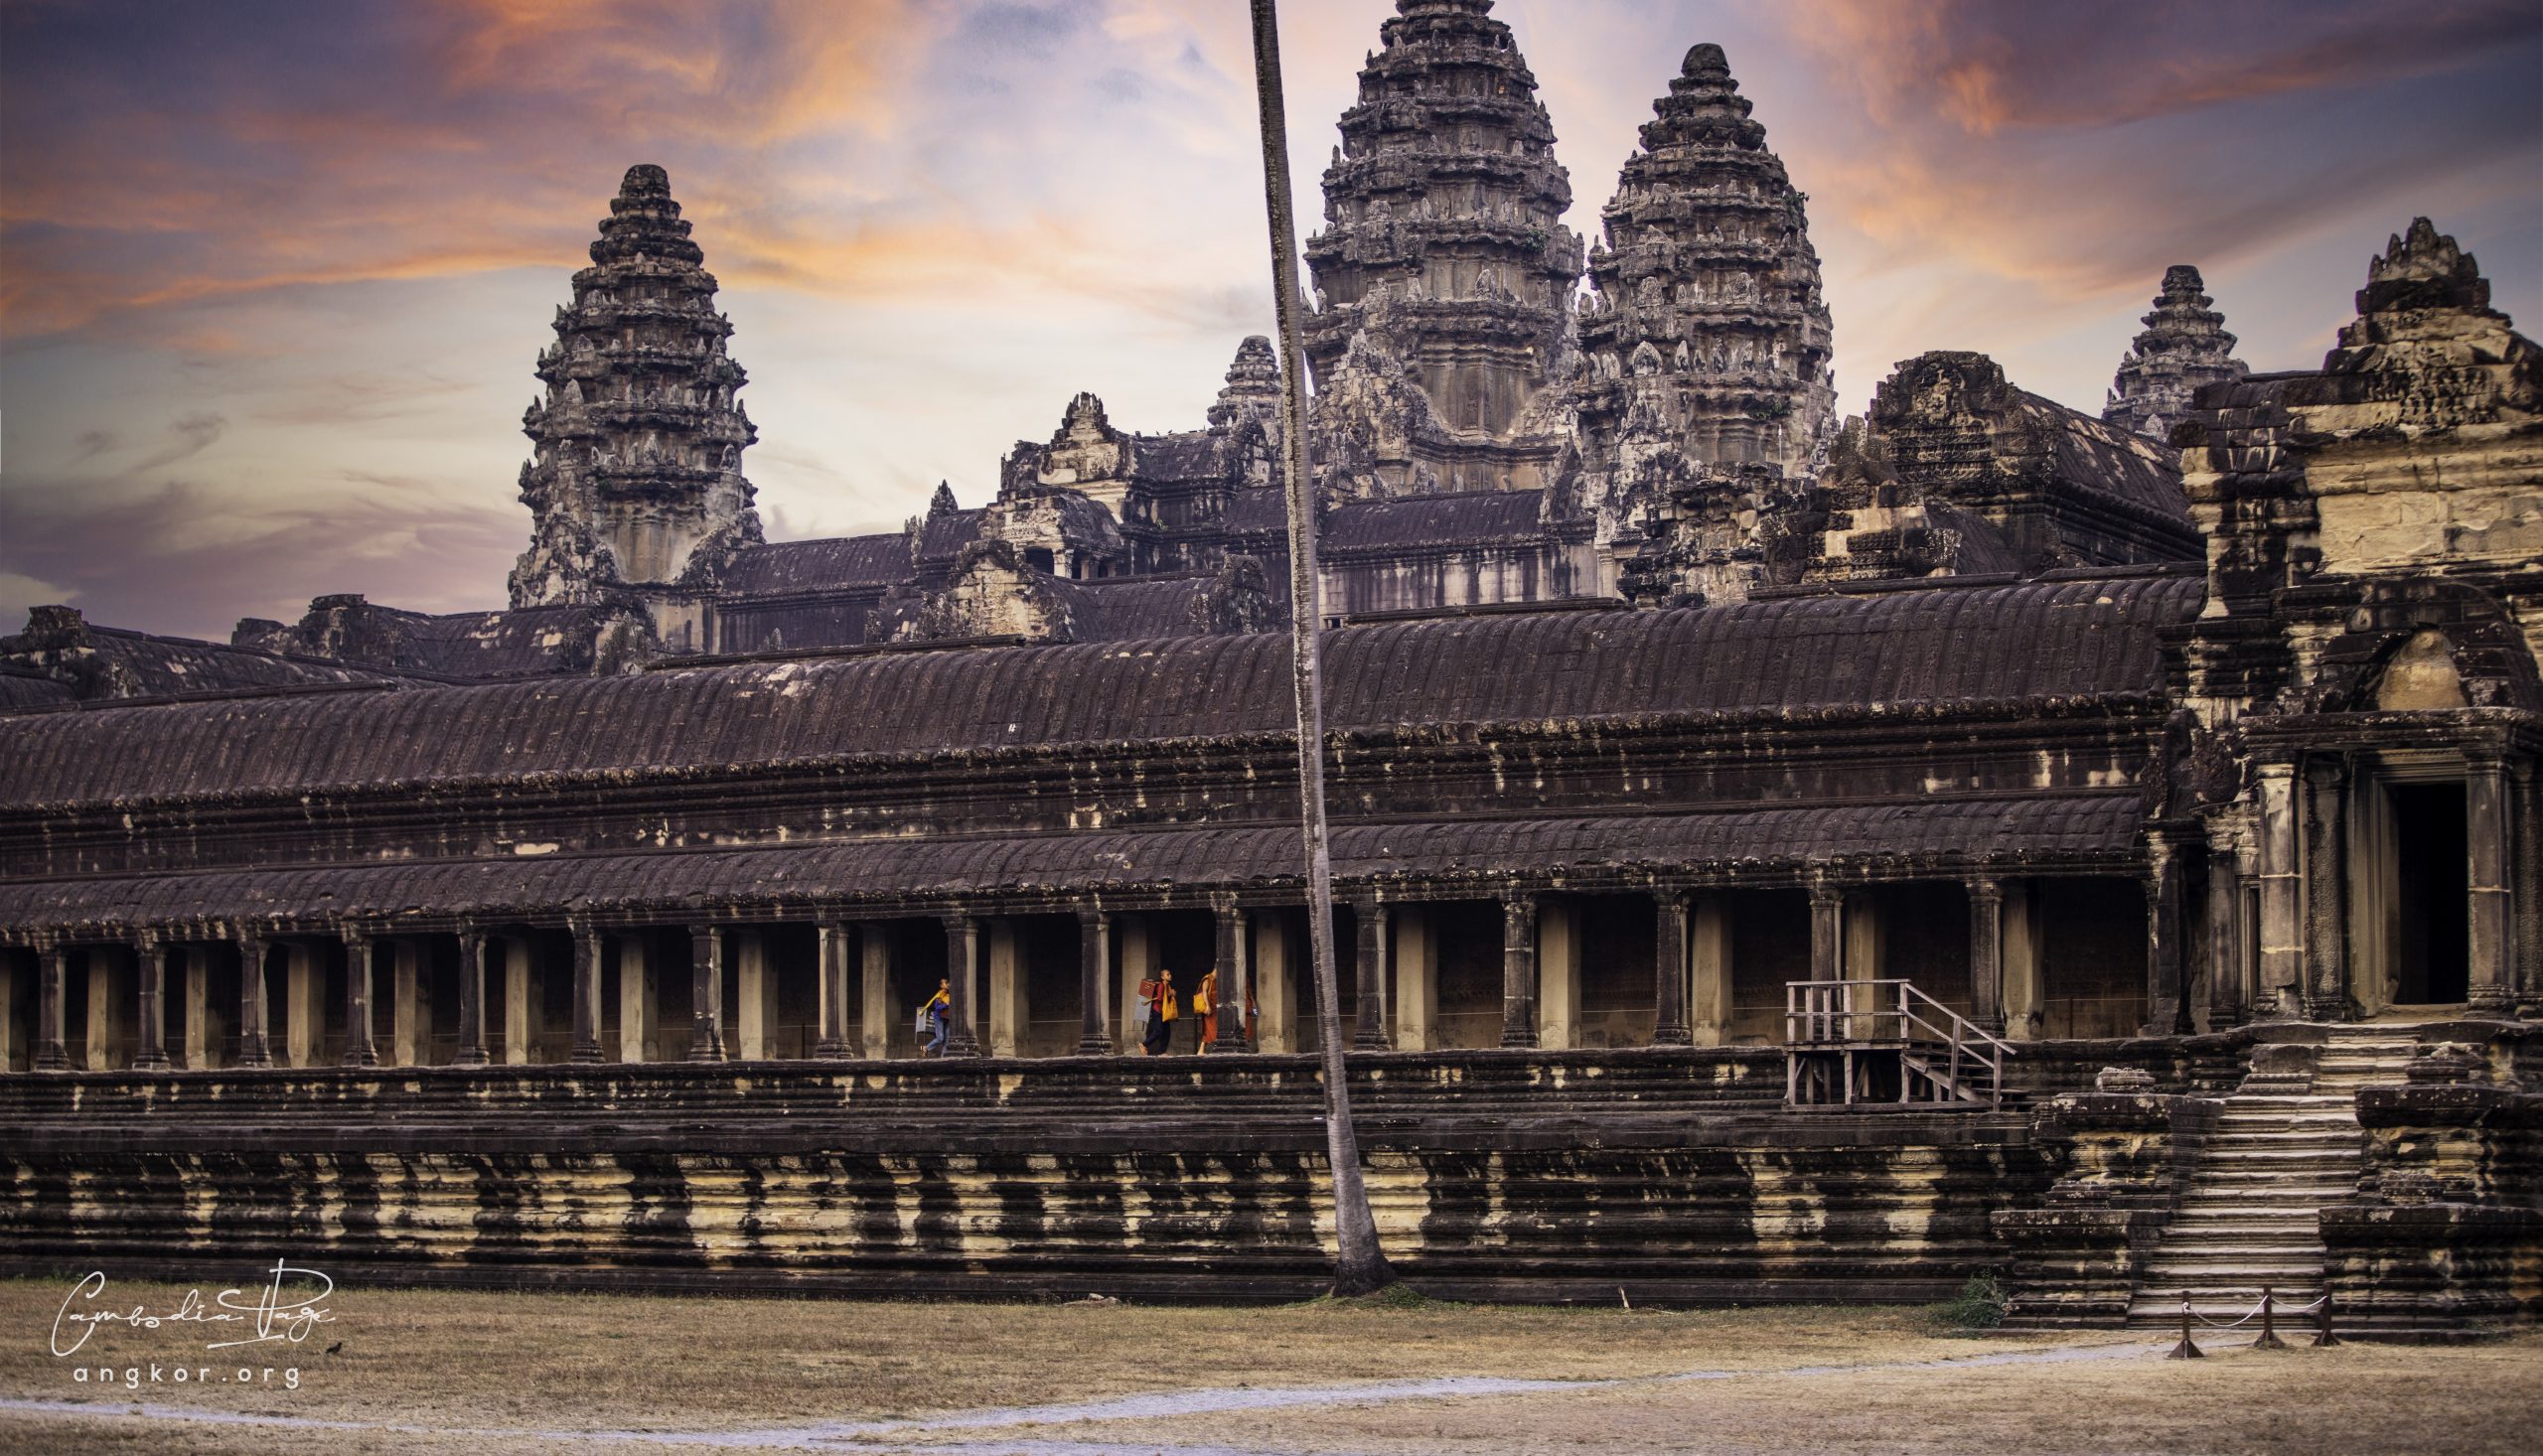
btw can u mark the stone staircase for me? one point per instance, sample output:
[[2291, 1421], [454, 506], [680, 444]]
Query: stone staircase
[[2250, 1218]]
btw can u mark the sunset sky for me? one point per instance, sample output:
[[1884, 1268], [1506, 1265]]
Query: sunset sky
[[272, 275]]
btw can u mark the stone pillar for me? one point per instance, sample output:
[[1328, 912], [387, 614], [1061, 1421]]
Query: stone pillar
[[837, 939], [586, 992], [706, 994], [2224, 940], [1669, 970], [255, 1049], [301, 1013], [639, 1016], [359, 1050], [1987, 955], [1368, 915], [1274, 983], [874, 963], [1093, 978], [1708, 972], [1230, 964], [408, 1032], [2326, 889], [1559, 1019], [150, 961], [53, 1050], [517, 1027], [2282, 893], [196, 998], [754, 1026], [472, 999], [2024, 994], [2526, 893], [1416, 977], [2165, 933], [1864, 948], [961, 969], [8, 1000], [1004, 1018], [2491, 951], [1519, 970], [97, 1040], [1827, 931], [1138, 963]]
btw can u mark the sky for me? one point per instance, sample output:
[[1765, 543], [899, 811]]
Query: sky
[[273, 272]]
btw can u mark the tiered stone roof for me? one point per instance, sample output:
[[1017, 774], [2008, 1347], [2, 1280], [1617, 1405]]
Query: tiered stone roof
[[1707, 281], [637, 442], [2184, 349], [1443, 206]]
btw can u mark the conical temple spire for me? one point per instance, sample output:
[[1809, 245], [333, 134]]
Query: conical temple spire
[[2183, 348], [1252, 384], [1707, 295]]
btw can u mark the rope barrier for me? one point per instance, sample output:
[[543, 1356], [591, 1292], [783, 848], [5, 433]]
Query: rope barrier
[[2266, 1311]]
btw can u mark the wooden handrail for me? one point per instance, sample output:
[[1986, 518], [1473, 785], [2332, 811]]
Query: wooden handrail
[[1832, 1015]]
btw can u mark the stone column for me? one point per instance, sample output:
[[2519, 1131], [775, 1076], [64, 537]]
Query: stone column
[[98, 1046], [150, 961], [516, 1000], [1519, 970], [2526, 883], [407, 1029], [1138, 963], [1416, 977], [706, 994], [1369, 916], [1987, 955], [1004, 1020], [196, 1046], [1274, 983], [2281, 891], [1094, 976], [254, 1048], [1559, 1014], [638, 1018], [1827, 931], [2326, 889], [8, 1002], [2224, 940], [53, 1050], [1708, 972], [586, 991], [359, 1050], [962, 967], [472, 999], [836, 938], [1230, 964], [2165, 933], [303, 1016], [1669, 970], [753, 1026], [2492, 950], [874, 955]]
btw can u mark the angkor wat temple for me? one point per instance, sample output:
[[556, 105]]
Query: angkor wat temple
[[2159, 788]]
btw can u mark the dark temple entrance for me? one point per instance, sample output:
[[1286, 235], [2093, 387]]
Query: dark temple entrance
[[2433, 950]]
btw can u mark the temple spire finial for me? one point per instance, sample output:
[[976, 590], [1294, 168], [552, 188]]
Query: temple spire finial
[[2183, 348]]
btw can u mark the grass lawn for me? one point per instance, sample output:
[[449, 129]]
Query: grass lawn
[[432, 1369]]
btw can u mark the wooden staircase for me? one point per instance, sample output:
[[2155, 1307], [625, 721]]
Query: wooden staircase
[[1856, 1044]]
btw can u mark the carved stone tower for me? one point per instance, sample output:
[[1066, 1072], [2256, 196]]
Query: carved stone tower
[[1443, 239], [1707, 288], [635, 484], [2185, 348]]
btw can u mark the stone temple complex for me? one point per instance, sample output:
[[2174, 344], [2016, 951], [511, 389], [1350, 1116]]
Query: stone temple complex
[[1779, 858]]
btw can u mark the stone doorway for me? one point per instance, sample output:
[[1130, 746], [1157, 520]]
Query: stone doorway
[[2431, 889]]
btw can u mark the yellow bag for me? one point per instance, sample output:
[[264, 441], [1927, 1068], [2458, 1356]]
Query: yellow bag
[[1166, 1005]]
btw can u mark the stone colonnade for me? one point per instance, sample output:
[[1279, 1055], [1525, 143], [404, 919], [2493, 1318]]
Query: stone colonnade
[[1388, 971]]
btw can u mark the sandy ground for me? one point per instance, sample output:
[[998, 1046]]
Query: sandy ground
[[433, 1371]]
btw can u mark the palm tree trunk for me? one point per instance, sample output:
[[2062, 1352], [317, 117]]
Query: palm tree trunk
[[1362, 1265]]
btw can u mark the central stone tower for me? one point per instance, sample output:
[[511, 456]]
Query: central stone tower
[[1444, 242], [635, 484]]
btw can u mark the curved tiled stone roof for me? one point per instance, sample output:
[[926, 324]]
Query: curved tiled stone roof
[[833, 563], [1474, 519], [1893, 651], [2072, 831]]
